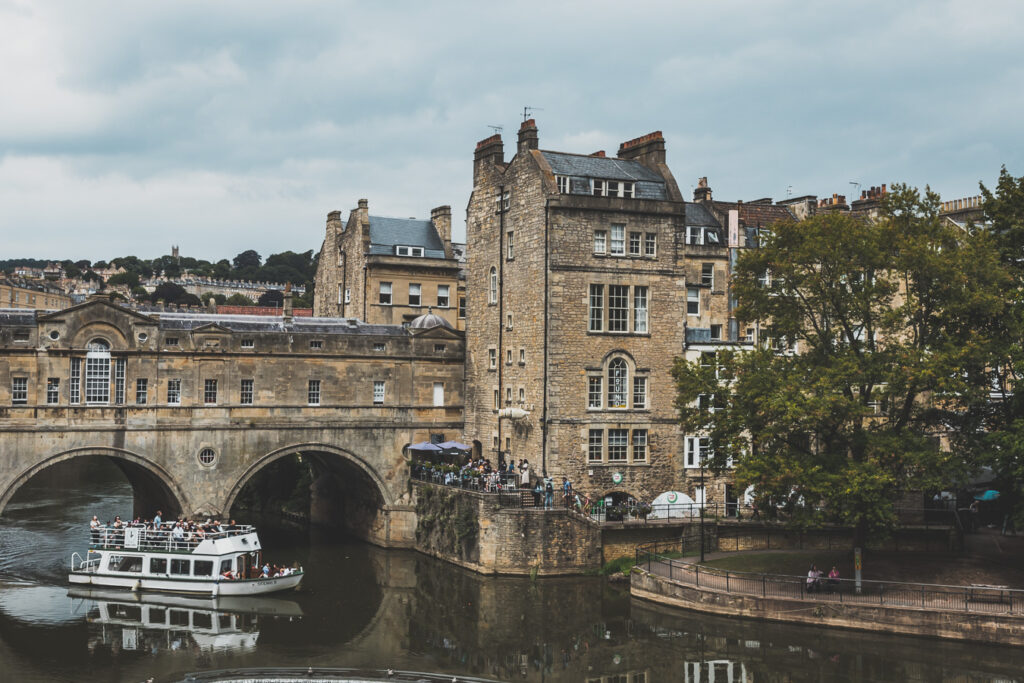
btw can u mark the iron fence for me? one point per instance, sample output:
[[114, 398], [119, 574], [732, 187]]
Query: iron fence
[[662, 559]]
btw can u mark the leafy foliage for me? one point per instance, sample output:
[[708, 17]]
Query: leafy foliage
[[882, 318]]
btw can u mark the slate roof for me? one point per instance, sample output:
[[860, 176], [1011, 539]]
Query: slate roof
[[17, 316], [580, 168], [262, 323], [697, 214], [386, 233]]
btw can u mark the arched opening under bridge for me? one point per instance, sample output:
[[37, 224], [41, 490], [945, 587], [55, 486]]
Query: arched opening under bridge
[[318, 484]]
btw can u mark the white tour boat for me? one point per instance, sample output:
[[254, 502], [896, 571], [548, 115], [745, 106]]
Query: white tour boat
[[137, 558]]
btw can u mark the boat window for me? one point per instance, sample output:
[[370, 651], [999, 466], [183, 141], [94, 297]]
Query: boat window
[[125, 563], [202, 619], [179, 617], [125, 612], [224, 620], [202, 568], [158, 565], [157, 615], [181, 567], [225, 566]]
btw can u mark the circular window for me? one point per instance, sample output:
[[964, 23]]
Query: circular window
[[143, 336], [54, 335], [207, 457]]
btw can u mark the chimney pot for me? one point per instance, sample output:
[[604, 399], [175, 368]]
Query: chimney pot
[[528, 138]]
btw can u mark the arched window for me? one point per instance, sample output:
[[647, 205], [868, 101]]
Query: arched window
[[492, 296], [97, 372], [617, 376]]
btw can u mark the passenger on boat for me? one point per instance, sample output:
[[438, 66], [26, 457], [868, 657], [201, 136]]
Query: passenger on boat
[[266, 570], [158, 519], [178, 535], [94, 529], [229, 575]]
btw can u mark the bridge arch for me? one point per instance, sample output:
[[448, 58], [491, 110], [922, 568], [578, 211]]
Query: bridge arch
[[153, 486], [308, 448]]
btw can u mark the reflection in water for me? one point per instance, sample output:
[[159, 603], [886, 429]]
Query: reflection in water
[[368, 608]]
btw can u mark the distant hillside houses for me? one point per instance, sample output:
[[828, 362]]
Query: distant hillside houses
[[199, 286]]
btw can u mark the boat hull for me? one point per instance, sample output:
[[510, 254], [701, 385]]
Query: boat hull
[[241, 587]]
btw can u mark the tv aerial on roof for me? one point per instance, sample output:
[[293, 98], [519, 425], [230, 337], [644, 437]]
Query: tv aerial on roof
[[496, 129], [527, 111]]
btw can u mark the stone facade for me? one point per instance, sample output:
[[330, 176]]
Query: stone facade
[[17, 293], [192, 405], [404, 255], [585, 275]]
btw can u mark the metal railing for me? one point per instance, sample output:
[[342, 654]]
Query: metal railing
[[164, 539], [80, 565], [661, 559]]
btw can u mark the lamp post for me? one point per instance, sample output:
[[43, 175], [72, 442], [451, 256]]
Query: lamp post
[[703, 499]]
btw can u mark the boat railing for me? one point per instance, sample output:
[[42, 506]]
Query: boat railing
[[78, 564], [167, 538]]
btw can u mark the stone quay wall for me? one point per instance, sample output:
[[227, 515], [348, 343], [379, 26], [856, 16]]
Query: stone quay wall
[[957, 625]]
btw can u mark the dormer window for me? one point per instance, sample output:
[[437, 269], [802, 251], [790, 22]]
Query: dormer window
[[404, 250], [563, 184], [613, 188], [699, 234]]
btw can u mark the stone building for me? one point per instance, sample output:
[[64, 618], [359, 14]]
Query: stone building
[[191, 404], [585, 273], [37, 295], [388, 271]]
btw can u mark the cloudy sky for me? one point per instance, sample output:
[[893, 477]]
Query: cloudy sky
[[223, 126]]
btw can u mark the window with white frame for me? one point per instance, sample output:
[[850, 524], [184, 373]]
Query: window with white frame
[[380, 347], [692, 301], [613, 188], [594, 391], [615, 308], [522, 356], [639, 393], [443, 298], [600, 242], [716, 333], [248, 343], [618, 445], [313, 392], [651, 244], [707, 274], [618, 245], [119, 379], [378, 392], [53, 390], [384, 295], [596, 308], [315, 344], [210, 392], [508, 321], [97, 373], [698, 450], [492, 290], [563, 184], [640, 309], [404, 250], [462, 308], [19, 390], [508, 394], [141, 391], [503, 201], [174, 392], [618, 308], [414, 294], [508, 356], [639, 445], [522, 394], [340, 290], [595, 445], [510, 245], [635, 242], [492, 359], [699, 234], [348, 295], [75, 382], [618, 375]]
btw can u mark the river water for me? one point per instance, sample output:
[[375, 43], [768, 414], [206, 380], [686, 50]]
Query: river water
[[365, 607]]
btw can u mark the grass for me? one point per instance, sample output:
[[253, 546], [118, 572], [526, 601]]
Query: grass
[[786, 563]]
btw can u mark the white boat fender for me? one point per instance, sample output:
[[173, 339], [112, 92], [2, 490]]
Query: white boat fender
[[136, 586]]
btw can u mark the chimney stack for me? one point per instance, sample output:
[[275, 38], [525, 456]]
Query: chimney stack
[[441, 217], [489, 150], [702, 193], [527, 136], [286, 311], [648, 149]]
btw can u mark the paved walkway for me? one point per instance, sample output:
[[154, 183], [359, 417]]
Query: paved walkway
[[980, 599]]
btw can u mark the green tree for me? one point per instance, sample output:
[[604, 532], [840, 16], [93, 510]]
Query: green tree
[[217, 298], [1001, 420], [271, 297], [239, 300], [247, 259], [869, 357], [129, 278]]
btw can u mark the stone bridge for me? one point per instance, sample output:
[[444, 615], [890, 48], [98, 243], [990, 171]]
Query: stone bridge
[[192, 406]]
